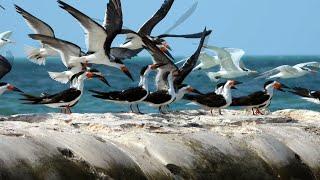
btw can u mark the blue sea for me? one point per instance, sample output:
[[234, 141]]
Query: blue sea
[[33, 79]]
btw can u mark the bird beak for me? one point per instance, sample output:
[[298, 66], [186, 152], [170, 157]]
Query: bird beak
[[192, 90], [166, 45], [102, 79], [12, 88], [127, 72], [156, 66], [278, 86]]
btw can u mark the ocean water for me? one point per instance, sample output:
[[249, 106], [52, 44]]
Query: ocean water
[[33, 79]]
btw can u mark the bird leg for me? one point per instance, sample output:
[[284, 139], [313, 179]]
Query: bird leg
[[258, 112], [168, 108], [138, 109], [220, 113], [211, 112], [68, 110], [253, 113], [131, 108], [160, 110]]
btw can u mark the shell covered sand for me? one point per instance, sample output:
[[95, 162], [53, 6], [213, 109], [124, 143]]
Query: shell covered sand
[[185, 145]]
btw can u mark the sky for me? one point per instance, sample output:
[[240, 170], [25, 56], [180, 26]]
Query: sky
[[260, 27]]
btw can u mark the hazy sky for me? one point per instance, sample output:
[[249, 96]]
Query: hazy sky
[[260, 27]]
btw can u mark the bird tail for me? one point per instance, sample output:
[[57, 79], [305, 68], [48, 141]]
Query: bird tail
[[34, 55], [59, 76], [99, 94], [31, 99], [189, 97]]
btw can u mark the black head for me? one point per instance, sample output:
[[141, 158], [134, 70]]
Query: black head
[[3, 84]]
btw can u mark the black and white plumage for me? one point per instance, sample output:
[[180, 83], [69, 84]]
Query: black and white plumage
[[131, 96], [211, 101], [260, 99], [134, 45], [99, 38], [65, 99], [37, 55], [306, 94], [181, 73], [5, 68]]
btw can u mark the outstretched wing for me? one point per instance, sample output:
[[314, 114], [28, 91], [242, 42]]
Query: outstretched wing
[[66, 49], [147, 28], [236, 55], [37, 25], [188, 36], [308, 64], [5, 66], [95, 34], [283, 68], [225, 57], [188, 66], [5, 35]]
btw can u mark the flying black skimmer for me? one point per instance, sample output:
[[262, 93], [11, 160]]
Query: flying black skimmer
[[4, 38], [99, 38], [260, 99], [160, 57], [68, 98], [231, 64], [134, 44], [5, 68], [67, 51], [131, 96], [287, 71], [161, 98], [211, 101], [306, 94], [37, 55]]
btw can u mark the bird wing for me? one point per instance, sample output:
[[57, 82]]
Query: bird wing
[[183, 17], [188, 36], [253, 99], [147, 27], [211, 99], [206, 59], [5, 66], [37, 25], [62, 97], [284, 68], [158, 97], [236, 55], [124, 53], [113, 22], [66, 49], [95, 34], [308, 64], [5, 35], [301, 92], [225, 57], [188, 66]]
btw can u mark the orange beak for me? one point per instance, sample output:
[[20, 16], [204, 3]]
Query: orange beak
[[127, 72], [89, 75]]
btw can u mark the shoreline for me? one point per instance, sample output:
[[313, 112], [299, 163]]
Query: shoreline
[[189, 144]]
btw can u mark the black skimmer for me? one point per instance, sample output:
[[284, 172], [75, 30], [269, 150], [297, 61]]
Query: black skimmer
[[4, 38], [162, 98], [160, 57], [287, 71], [68, 98], [5, 68], [99, 38], [67, 51], [306, 94], [211, 101], [131, 96], [260, 99], [134, 45], [38, 55]]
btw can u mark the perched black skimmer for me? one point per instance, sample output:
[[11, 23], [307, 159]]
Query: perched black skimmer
[[306, 94], [67, 51], [99, 38], [162, 98], [131, 96], [160, 57], [134, 44], [211, 101], [4, 38], [287, 71], [5, 68], [38, 55], [68, 98], [260, 99]]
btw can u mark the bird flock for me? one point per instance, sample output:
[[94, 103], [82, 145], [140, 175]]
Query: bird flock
[[170, 77]]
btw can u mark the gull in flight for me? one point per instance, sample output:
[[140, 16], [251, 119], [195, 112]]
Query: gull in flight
[[4, 38]]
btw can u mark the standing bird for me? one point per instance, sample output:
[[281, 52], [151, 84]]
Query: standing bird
[[37, 55], [68, 98], [132, 96], [5, 68], [134, 45], [211, 101], [99, 38], [306, 94], [287, 72], [231, 64], [4, 38], [260, 99]]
